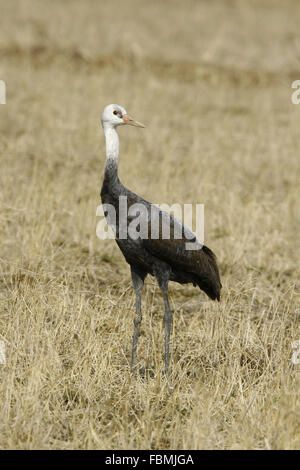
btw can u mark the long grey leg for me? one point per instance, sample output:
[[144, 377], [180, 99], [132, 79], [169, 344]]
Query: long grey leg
[[168, 317], [138, 283], [162, 274]]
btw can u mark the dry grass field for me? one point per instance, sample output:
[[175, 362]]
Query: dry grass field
[[212, 82]]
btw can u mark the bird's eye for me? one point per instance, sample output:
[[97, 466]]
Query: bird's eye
[[115, 111]]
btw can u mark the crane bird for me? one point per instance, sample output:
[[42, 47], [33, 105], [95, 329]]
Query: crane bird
[[165, 259]]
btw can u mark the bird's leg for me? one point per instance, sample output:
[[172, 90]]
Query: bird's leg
[[168, 323], [162, 274], [138, 283]]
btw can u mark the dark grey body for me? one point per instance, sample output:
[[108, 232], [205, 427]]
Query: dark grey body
[[166, 259]]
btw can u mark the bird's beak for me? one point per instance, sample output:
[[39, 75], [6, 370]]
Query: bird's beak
[[131, 122]]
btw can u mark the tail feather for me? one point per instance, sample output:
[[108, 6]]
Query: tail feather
[[212, 289], [210, 281]]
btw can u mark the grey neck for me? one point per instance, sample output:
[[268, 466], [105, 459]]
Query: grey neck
[[112, 152]]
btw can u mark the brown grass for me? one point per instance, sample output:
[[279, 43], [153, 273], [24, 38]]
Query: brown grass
[[212, 80]]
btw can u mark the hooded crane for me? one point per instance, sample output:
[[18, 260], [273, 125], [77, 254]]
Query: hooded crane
[[167, 259]]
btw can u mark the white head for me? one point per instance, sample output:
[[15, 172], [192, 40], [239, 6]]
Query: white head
[[115, 115]]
